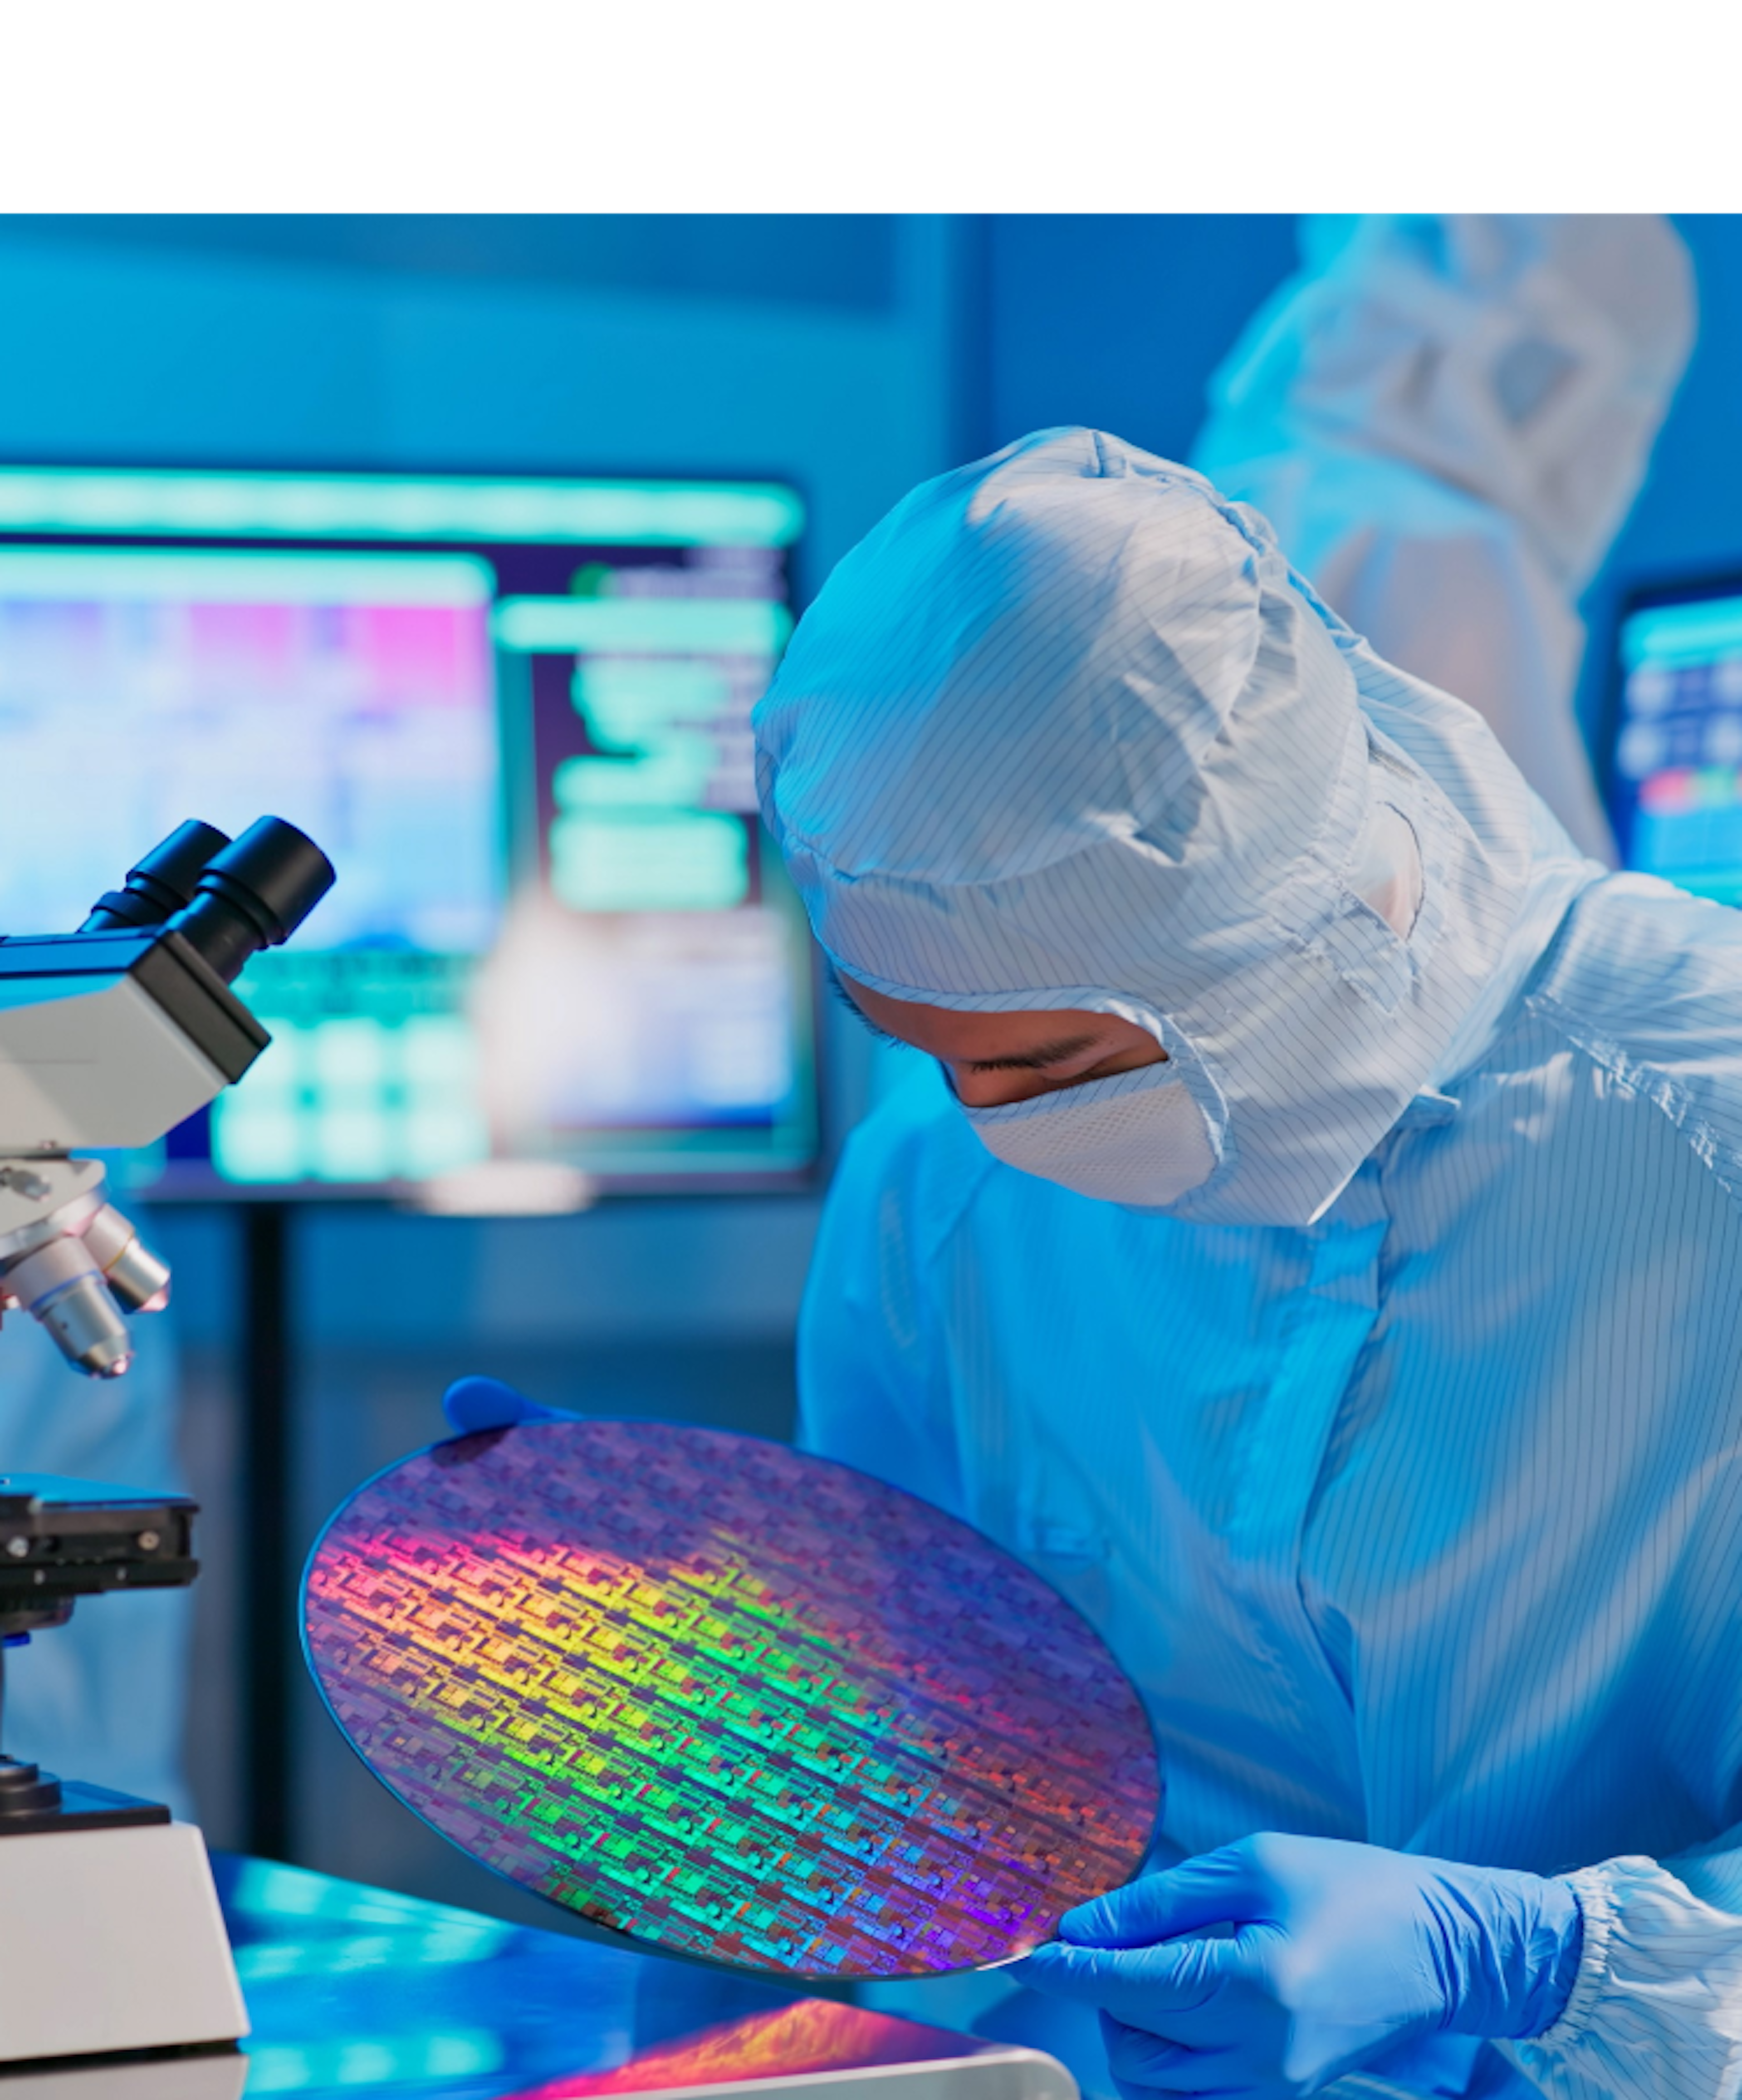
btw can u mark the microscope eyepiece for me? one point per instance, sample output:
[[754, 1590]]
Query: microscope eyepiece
[[163, 882], [254, 895]]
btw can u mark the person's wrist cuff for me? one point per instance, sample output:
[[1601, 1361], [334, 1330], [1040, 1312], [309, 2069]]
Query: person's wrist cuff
[[1555, 1946]]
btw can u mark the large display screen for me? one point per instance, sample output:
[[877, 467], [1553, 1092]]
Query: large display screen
[[515, 713], [1675, 755]]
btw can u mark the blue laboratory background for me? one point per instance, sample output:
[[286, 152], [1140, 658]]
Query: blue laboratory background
[[855, 354]]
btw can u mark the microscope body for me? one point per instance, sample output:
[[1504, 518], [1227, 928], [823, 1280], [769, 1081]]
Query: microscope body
[[109, 1037], [112, 1035]]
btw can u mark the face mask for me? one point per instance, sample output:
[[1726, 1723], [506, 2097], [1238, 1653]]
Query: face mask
[[1141, 1137], [1138, 1138]]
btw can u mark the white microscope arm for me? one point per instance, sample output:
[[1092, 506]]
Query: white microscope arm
[[110, 1037]]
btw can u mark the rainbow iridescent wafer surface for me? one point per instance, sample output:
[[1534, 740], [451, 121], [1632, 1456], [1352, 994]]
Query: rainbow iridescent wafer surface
[[739, 1702]]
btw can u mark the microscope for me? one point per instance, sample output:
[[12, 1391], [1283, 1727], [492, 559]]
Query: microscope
[[109, 1037]]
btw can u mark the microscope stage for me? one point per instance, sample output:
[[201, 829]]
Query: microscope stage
[[61, 1539]]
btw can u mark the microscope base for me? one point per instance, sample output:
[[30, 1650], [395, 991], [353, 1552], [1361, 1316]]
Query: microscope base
[[114, 1942]]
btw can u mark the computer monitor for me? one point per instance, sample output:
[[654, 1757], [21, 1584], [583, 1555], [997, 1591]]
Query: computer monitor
[[1674, 742], [515, 710]]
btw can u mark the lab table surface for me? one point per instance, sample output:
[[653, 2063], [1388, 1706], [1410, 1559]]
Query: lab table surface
[[358, 1993], [354, 1989]]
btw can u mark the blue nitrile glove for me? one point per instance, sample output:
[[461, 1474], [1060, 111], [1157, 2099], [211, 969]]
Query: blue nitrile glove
[[1337, 1954], [472, 1404]]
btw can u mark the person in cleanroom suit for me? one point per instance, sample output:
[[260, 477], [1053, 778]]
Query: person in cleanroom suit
[[1323, 1264], [1446, 420]]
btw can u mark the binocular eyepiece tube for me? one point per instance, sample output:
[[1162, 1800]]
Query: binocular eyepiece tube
[[163, 882], [227, 898]]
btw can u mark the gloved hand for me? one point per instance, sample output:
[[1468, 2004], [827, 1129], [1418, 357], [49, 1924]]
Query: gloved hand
[[1338, 1954], [472, 1404]]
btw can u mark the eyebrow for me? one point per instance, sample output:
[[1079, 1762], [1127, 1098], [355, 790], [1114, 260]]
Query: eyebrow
[[839, 991], [1027, 1060]]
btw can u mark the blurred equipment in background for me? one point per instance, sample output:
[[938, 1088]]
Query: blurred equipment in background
[[1446, 419], [1672, 743], [109, 1037], [516, 712]]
